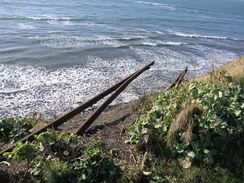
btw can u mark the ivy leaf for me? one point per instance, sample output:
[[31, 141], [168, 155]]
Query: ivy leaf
[[191, 154], [206, 151], [144, 131], [237, 113], [220, 94], [186, 163], [158, 125], [9, 154]]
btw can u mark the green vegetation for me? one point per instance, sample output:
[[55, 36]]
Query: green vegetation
[[59, 145], [197, 127], [60, 157], [95, 167], [191, 133], [58, 171], [13, 129]]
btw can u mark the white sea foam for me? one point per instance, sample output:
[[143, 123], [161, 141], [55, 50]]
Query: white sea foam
[[99, 41], [204, 36], [159, 43], [53, 20], [172, 43], [52, 92], [34, 37], [159, 32], [59, 22], [131, 38], [26, 26], [48, 17], [27, 89], [78, 42], [170, 61], [149, 44], [166, 6]]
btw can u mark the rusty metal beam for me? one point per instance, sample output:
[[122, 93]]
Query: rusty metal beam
[[84, 126], [74, 112], [179, 79]]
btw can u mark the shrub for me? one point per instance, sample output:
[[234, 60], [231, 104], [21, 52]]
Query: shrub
[[13, 129], [26, 151], [61, 145], [95, 167], [198, 123], [57, 171], [50, 157]]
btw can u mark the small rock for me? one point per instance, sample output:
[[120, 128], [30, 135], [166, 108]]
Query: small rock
[[127, 141], [66, 153], [146, 173], [5, 163], [114, 152]]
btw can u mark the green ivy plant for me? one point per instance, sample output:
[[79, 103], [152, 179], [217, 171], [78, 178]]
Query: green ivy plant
[[95, 167], [13, 129], [54, 159], [23, 151], [61, 145], [57, 171], [201, 123]]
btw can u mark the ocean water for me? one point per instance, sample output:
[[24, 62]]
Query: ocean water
[[55, 55]]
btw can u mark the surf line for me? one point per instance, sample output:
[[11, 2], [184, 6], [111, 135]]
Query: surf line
[[117, 89]]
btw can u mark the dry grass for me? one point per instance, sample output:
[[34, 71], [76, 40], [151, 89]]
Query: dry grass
[[234, 68], [184, 122]]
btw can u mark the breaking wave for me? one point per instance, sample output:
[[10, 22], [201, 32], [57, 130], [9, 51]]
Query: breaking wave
[[26, 26], [205, 37], [166, 6], [102, 42], [26, 89]]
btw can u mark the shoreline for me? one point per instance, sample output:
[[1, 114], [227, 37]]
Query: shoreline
[[66, 90], [232, 67], [111, 130]]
